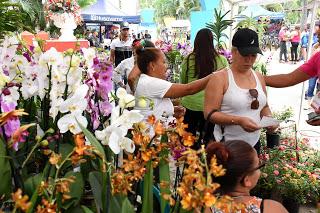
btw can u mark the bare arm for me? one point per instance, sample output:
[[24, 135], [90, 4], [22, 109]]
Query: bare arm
[[286, 80], [133, 78], [111, 59], [214, 93], [180, 90]]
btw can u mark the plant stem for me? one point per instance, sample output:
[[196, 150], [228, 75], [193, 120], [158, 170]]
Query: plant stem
[[29, 155]]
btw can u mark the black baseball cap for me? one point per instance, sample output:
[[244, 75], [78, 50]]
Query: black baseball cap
[[246, 41]]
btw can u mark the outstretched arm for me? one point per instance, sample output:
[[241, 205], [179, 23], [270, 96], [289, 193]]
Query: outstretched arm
[[286, 80], [180, 90]]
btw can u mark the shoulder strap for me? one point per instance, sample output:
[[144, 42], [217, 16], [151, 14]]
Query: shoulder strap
[[261, 206]]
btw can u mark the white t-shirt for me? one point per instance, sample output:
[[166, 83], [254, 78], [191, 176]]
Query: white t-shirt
[[123, 50], [153, 89], [123, 69]]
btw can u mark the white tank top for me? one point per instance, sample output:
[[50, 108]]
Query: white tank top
[[237, 101]]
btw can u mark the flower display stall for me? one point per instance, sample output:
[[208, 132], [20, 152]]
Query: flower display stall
[[69, 143]]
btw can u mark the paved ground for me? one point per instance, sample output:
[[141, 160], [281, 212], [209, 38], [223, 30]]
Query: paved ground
[[280, 98]]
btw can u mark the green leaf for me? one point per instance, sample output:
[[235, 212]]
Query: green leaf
[[164, 174], [95, 180], [86, 210], [94, 142], [31, 184], [5, 171], [76, 190], [147, 200], [120, 203]]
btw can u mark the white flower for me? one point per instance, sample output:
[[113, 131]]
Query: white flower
[[115, 138], [69, 122], [121, 92], [77, 103], [89, 54], [128, 118], [51, 57], [125, 100], [114, 135], [3, 80]]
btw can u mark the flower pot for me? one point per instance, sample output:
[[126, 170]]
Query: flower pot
[[66, 22], [273, 139], [291, 205]]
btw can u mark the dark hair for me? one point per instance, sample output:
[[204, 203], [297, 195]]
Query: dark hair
[[205, 53], [145, 55], [236, 156]]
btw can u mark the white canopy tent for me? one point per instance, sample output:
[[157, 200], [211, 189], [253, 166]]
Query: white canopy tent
[[233, 6]]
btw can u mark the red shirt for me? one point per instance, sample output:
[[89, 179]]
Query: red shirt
[[312, 66]]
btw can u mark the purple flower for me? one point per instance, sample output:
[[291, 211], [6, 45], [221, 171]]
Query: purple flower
[[105, 108], [13, 124], [177, 152], [27, 56]]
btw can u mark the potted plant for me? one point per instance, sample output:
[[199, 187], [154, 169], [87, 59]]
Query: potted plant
[[296, 182], [218, 26], [273, 138]]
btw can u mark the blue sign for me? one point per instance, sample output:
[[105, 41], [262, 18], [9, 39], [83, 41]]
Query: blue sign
[[110, 18], [147, 15], [209, 4]]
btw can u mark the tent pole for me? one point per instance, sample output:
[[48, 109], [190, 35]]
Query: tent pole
[[304, 15], [309, 49]]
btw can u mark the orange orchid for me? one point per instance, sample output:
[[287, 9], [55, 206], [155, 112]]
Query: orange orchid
[[20, 134], [4, 117], [79, 140], [158, 128], [188, 139], [151, 119], [21, 201]]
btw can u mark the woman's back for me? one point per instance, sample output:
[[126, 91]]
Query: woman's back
[[252, 205]]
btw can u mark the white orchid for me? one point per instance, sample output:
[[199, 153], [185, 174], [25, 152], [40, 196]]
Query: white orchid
[[115, 138], [114, 135], [51, 57], [125, 100], [77, 103], [89, 54], [69, 123]]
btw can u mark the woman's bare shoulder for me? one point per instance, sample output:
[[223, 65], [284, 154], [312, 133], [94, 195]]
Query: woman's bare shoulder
[[272, 206]]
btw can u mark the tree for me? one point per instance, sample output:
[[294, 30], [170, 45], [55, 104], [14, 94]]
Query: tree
[[11, 18]]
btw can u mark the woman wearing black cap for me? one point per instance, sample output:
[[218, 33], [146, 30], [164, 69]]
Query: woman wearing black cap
[[237, 96]]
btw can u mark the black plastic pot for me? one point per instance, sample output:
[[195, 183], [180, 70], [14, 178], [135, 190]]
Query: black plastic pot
[[291, 205], [273, 139]]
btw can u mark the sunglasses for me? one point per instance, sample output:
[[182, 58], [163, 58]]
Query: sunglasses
[[254, 94], [261, 165]]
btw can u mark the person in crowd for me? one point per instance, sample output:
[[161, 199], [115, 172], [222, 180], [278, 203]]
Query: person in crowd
[[95, 39], [304, 43], [237, 95], [306, 71], [242, 174], [312, 81], [147, 35], [203, 60], [121, 48], [283, 47], [154, 89], [122, 71], [295, 40]]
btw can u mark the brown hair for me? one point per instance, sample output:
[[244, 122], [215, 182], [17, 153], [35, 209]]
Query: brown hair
[[205, 54], [236, 156], [145, 56]]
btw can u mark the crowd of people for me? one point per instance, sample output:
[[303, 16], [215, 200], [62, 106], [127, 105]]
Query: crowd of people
[[233, 99]]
